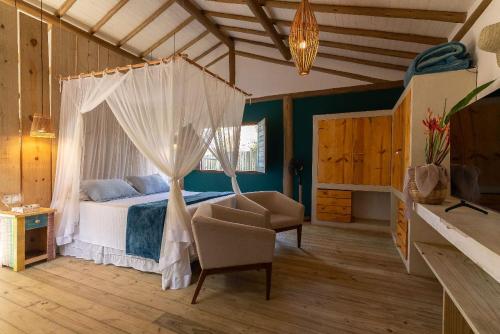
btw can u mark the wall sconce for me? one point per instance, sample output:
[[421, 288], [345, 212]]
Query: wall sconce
[[41, 127]]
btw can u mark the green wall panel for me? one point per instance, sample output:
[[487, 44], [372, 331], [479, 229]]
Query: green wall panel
[[273, 178]]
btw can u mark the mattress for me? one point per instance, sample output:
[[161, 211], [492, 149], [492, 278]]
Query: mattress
[[105, 223]]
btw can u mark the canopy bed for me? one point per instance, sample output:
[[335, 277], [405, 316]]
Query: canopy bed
[[155, 117]]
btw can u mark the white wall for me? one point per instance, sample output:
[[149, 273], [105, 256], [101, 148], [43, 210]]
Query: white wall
[[371, 205], [486, 61]]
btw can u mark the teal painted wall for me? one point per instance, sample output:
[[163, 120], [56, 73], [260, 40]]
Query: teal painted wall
[[273, 178], [303, 112]]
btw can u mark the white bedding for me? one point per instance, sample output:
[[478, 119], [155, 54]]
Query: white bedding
[[105, 223]]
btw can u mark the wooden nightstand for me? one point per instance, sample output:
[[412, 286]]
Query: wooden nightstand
[[26, 238]]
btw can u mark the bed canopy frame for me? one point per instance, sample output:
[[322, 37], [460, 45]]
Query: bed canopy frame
[[160, 115]]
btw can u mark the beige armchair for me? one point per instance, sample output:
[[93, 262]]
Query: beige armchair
[[229, 239], [281, 212]]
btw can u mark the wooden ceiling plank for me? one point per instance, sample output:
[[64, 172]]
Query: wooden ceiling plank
[[207, 52], [108, 16], [217, 59], [52, 19], [337, 45], [314, 68], [268, 26], [403, 13], [244, 30], [414, 38], [369, 49], [197, 13], [193, 41], [336, 57], [63, 9], [146, 22], [471, 20], [167, 36]]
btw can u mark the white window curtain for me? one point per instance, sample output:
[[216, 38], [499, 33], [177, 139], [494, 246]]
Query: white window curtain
[[226, 108], [163, 110]]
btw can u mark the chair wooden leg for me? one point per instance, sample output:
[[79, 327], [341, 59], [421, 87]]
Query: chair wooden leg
[[299, 236], [203, 274], [269, 272]]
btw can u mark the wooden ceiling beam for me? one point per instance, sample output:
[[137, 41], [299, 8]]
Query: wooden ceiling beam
[[207, 51], [63, 9], [336, 57], [146, 22], [167, 36], [197, 13], [414, 38], [108, 16], [268, 26], [314, 68], [52, 19], [471, 20], [337, 45], [403, 13], [217, 59]]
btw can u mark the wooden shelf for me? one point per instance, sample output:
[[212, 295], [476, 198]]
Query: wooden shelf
[[473, 233], [35, 256], [474, 292]]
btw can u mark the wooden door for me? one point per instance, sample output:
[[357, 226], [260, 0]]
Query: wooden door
[[372, 150], [401, 142], [335, 151]]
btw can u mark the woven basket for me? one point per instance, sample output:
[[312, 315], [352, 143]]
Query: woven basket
[[437, 196]]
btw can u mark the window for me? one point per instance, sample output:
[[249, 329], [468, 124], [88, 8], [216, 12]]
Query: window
[[252, 157]]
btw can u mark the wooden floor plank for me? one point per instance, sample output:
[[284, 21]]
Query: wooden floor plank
[[341, 281]]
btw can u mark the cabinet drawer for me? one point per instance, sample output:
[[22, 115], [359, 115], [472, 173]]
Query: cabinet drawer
[[33, 222], [330, 193], [333, 201], [332, 217], [343, 210], [401, 235]]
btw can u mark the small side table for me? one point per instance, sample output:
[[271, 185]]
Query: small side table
[[26, 238]]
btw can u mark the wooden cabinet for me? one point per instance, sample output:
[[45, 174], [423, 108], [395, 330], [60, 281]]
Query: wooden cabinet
[[401, 142], [402, 230], [334, 205], [26, 238], [355, 150]]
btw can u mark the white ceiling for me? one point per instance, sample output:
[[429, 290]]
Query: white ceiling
[[86, 13]]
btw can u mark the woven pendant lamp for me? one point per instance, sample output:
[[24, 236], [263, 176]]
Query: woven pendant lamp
[[304, 38], [41, 125]]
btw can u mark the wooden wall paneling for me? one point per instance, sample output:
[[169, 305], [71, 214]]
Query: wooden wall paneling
[[87, 55], [10, 144], [334, 151], [103, 58], [36, 152], [372, 150], [63, 63]]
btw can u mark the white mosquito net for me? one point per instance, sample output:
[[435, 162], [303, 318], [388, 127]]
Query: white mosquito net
[[156, 118]]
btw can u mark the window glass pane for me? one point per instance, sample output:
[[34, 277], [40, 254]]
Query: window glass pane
[[248, 155]]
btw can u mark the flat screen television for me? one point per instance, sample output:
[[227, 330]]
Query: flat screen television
[[475, 152]]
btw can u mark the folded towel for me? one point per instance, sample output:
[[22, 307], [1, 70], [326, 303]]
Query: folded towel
[[450, 56]]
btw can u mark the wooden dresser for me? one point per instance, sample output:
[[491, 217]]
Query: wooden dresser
[[334, 205], [402, 230]]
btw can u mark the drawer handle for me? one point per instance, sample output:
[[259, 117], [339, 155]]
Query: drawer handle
[[37, 221]]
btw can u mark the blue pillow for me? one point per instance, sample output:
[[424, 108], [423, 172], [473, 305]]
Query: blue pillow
[[151, 184], [107, 190]]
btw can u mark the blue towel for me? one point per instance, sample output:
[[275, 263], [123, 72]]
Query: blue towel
[[450, 56], [145, 225]]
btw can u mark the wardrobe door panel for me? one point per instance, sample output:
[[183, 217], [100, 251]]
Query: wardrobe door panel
[[335, 151]]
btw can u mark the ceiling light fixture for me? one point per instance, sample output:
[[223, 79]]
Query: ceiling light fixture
[[304, 38]]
